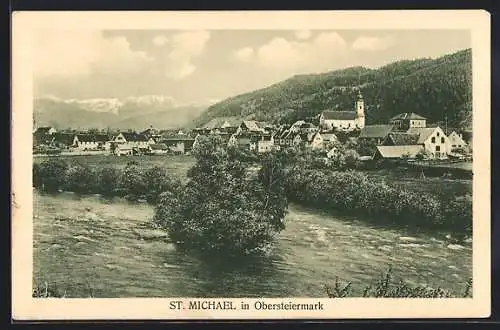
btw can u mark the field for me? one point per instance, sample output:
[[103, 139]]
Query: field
[[176, 165]]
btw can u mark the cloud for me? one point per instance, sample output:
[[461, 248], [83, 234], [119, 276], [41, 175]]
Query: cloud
[[160, 40], [314, 55], [371, 43], [303, 34], [185, 47], [244, 55], [81, 52]]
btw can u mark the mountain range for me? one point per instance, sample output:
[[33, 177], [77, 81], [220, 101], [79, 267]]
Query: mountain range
[[129, 113], [439, 89]]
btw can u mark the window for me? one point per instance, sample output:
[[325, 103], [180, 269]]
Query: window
[[438, 148], [454, 145], [442, 140], [437, 134], [433, 140]]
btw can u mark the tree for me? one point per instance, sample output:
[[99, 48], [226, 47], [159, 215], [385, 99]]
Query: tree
[[50, 175], [225, 206]]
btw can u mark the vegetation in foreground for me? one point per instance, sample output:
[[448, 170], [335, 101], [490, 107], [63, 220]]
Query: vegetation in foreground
[[356, 193], [385, 287], [225, 206]]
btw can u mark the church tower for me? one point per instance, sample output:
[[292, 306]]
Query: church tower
[[360, 110]]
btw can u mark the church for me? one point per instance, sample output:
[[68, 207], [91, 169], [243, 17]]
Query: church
[[344, 120]]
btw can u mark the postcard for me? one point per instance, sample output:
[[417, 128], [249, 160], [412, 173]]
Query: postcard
[[250, 165]]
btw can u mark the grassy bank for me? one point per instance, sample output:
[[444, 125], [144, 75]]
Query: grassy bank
[[133, 181], [379, 200]]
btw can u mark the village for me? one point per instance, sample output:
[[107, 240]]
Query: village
[[406, 136]]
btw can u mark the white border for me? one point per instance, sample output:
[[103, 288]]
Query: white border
[[24, 23]]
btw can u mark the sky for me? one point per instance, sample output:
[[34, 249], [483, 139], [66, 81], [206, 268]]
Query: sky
[[204, 66]]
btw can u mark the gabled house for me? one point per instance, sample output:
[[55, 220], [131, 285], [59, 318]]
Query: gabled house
[[134, 140], [91, 142], [262, 143], [433, 140], [375, 133], [329, 139], [43, 135], [407, 120], [456, 140], [180, 143], [252, 126], [309, 140], [63, 140]]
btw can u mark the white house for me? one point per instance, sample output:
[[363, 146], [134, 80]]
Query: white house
[[344, 120], [456, 140], [407, 120], [134, 140], [262, 143], [91, 142], [434, 140]]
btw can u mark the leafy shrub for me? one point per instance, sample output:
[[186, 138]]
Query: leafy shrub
[[225, 207], [386, 287], [131, 184], [80, 179], [49, 175], [107, 181], [355, 192]]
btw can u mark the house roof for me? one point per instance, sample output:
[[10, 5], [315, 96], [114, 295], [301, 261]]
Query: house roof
[[159, 146], [375, 131], [340, 115], [423, 133], [252, 125], [403, 139], [399, 151], [92, 137], [134, 137], [407, 116], [66, 138], [329, 137]]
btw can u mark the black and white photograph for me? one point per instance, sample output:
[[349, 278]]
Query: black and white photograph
[[204, 165]]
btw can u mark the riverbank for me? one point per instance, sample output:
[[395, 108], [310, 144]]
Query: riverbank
[[389, 197], [86, 244]]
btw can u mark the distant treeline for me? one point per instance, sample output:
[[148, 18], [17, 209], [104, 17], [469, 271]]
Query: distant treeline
[[132, 182], [356, 193]]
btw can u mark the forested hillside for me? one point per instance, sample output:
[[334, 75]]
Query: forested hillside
[[435, 88]]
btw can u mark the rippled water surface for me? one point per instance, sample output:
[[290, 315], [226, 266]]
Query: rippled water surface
[[108, 246]]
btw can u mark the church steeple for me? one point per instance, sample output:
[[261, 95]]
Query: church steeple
[[360, 105]]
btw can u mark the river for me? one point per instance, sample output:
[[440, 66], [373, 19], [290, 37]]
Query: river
[[89, 242]]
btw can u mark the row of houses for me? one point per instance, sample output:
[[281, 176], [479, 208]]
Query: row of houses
[[120, 143]]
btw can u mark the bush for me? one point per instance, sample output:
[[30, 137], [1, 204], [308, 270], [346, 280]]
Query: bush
[[355, 192], [80, 179], [386, 287], [50, 175], [225, 207], [131, 184], [107, 181]]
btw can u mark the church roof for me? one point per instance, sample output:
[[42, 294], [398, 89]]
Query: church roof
[[340, 115]]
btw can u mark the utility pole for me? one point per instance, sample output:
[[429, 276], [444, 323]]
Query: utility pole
[[446, 124]]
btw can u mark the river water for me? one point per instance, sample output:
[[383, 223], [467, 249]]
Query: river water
[[84, 244]]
